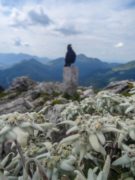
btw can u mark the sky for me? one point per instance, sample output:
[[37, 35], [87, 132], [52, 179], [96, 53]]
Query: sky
[[104, 29]]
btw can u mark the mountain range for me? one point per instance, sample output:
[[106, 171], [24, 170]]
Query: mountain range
[[92, 71], [9, 59]]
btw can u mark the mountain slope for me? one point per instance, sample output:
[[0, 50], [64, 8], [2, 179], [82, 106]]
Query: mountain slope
[[32, 68], [127, 66], [124, 71], [121, 72], [10, 59]]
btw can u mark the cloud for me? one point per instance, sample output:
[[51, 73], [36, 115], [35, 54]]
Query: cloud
[[20, 24], [39, 17], [68, 31], [92, 25], [19, 43], [119, 45], [19, 19], [11, 3], [26, 18], [128, 4], [18, 3]]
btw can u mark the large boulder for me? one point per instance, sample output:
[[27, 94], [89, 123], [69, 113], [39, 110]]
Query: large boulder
[[22, 83], [120, 86], [49, 87], [19, 105]]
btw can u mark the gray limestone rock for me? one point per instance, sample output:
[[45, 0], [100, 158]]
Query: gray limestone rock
[[22, 83], [18, 105], [87, 93], [119, 86], [53, 113], [70, 80], [33, 99], [48, 87]]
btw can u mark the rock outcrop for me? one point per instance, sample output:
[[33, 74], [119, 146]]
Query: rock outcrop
[[19, 105], [22, 83], [25, 95], [120, 86]]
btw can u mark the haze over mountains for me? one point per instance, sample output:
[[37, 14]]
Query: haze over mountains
[[7, 60], [92, 71]]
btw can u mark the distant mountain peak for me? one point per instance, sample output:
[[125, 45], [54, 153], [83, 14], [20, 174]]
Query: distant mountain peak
[[9, 59], [82, 55]]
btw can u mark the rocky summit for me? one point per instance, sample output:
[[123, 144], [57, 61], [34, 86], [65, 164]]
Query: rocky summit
[[26, 95], [49, 134]]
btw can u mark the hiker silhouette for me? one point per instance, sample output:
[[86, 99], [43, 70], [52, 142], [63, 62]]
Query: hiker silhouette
[[70, 56]]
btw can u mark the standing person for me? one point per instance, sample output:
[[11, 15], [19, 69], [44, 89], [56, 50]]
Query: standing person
[[70, 56]]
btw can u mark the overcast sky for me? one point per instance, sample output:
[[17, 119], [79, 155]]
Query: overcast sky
[[97, 28]]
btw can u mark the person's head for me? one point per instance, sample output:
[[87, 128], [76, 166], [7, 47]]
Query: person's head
[[69, 46]]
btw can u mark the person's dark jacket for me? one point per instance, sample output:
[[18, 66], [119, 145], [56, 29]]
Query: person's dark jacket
[[70, 56]]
